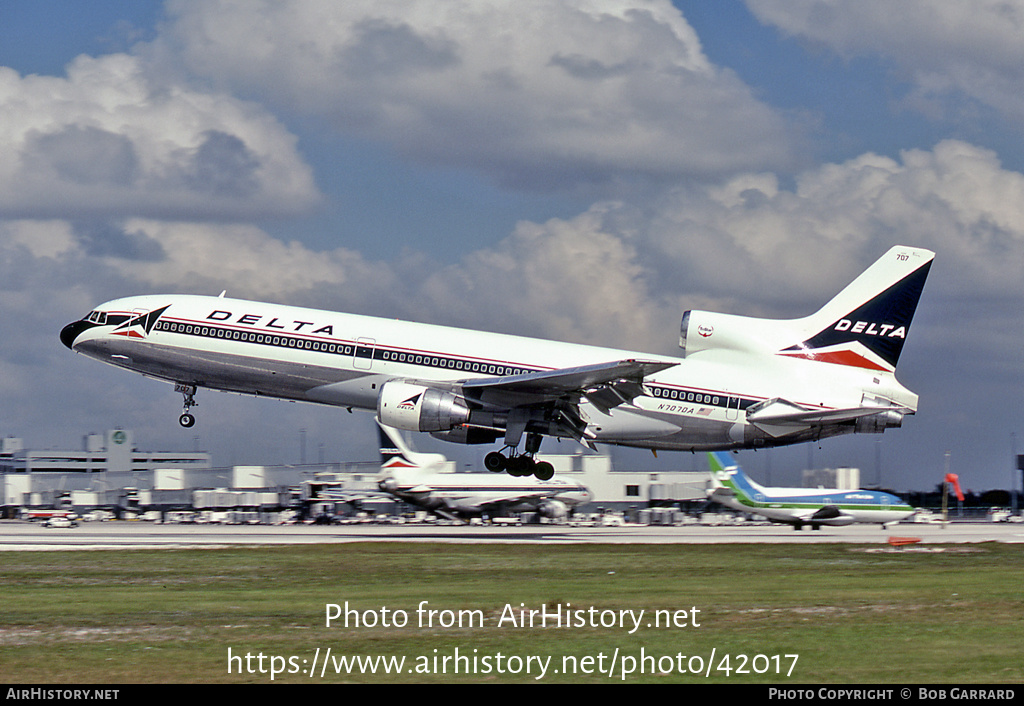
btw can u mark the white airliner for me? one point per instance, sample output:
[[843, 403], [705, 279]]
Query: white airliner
[[741, 382], [801, 506], [417, 479]]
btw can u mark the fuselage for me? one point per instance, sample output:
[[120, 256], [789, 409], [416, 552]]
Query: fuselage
[[698, 403], [473, 493], [803, 505]]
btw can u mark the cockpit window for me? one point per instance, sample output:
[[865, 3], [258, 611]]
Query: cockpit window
[[97, 317]]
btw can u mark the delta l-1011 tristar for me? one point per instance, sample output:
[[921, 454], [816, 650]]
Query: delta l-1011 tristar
[[741, 382]]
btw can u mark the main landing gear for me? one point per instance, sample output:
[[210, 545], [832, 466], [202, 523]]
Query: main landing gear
[[520, 464], [189, 393], [800, 525]]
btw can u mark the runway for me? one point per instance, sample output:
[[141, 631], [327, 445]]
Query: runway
[[27, 536]]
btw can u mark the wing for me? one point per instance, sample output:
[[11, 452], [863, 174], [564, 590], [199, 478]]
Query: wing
[[604, 385], [833, 516], [624, 375], [352, 496], [516, 499]]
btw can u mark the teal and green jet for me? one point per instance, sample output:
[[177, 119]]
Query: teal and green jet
[[800, 506]]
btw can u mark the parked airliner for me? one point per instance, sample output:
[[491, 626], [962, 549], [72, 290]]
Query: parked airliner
[[418, 479], [741, 382], [800, 506]]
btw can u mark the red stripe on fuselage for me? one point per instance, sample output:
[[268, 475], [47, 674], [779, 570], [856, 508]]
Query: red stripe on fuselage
[[849, 358]]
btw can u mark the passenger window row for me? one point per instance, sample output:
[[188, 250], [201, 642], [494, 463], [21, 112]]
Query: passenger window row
[[363, 351], [698, 397]]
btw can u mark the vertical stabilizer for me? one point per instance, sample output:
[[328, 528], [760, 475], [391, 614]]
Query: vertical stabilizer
[[720, 461], [866, 324], [727, 473], [397, 458]]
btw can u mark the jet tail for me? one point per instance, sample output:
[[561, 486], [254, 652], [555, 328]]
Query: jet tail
[[396, 458], [718, 461], [392, 451], [864, 326], [727, 476]]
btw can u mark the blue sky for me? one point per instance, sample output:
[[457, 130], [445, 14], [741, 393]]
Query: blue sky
[[580, 171], [42, 37]]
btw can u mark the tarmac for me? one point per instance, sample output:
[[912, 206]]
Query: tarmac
[[16, 535]]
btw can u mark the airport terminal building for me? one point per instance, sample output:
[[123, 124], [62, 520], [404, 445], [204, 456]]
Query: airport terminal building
[[96, 475], [110, 472]]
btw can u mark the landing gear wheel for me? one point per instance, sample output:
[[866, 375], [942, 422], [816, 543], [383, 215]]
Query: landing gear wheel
[[495, 462], [520, 466], [544, 471], [186, 420]]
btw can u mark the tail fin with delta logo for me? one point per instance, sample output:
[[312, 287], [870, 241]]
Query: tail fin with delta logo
[[864, 326]]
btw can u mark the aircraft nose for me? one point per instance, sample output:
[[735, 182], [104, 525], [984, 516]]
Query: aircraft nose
[[69, 333]]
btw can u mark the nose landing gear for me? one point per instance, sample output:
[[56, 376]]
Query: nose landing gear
[[189, 393]]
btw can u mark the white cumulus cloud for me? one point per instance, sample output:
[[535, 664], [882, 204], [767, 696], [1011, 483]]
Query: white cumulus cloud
[[531, 92], [620, 273], [107, 140], [971, 48]]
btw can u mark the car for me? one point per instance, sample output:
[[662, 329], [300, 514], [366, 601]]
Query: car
[[59, 521], [998, 514]]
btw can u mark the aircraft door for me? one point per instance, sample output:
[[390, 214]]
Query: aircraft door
[[732, 407], [363, 357]]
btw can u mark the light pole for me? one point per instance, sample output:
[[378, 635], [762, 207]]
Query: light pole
[[1013, 472]]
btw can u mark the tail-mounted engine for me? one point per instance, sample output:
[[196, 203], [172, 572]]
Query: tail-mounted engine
[[705, 330], [412, 407], [878, 423]]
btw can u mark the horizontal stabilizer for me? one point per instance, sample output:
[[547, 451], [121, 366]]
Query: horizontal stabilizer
[[780, 417], [778, 411]]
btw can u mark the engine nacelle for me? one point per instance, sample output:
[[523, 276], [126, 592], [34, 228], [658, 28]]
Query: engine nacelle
[[706, 330], [468, 435], [553, 509], [878, 423], [412, 407]]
